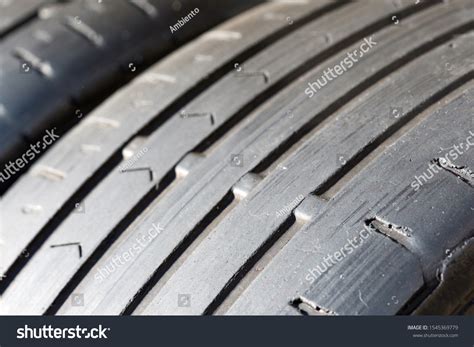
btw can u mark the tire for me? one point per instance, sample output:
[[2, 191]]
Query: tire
[[59, 59], [228, 179]]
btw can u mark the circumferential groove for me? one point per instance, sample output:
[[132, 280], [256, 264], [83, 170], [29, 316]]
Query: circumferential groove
[[317, 307], [247, 109], [152, 126], [123, 224], [389, 133], [221, 207], [249, 264], [398, 234]]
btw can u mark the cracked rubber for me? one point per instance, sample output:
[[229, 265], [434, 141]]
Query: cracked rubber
[[249, 185]]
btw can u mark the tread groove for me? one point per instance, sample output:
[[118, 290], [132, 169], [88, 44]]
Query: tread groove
[[369, 223], [154, 124], [190, 95], [219, 208], [245, 110], [249, 264], [217, 303], [366, 151], [104, 169], [372, 146], [109, 240], [331, 109], [261, 193], [58, 218]]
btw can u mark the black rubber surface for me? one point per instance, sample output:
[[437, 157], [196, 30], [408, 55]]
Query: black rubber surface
[[254, 192], [58, 59]]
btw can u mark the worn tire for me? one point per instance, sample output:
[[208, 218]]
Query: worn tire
[[59, 59], [219, 181]]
